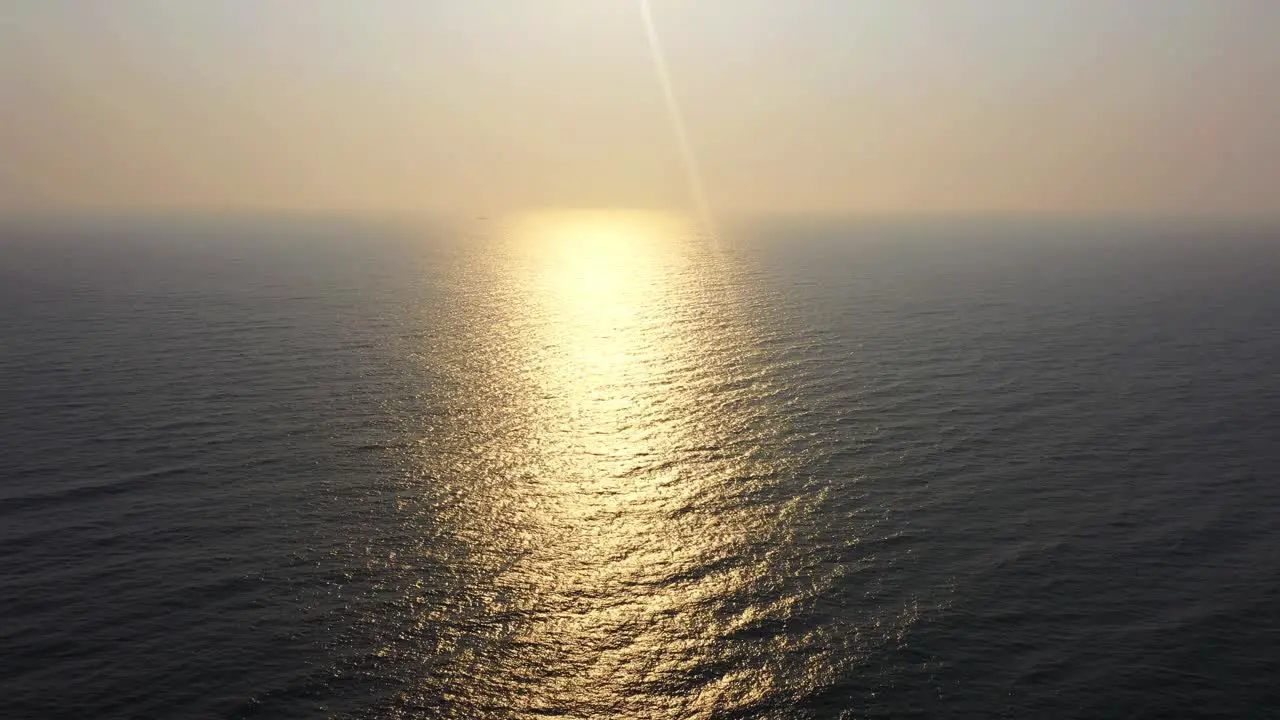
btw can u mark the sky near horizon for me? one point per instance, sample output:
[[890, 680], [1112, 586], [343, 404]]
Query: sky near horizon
[[461, 107]]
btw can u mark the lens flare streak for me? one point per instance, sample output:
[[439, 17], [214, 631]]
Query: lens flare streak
[[688, 156]]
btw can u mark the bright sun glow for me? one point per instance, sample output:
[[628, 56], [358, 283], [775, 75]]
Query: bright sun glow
[[602, 280]]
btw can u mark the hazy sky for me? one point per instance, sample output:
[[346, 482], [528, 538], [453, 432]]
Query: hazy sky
[[480, 106]]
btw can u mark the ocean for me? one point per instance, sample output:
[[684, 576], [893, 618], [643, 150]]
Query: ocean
[[602, 467]]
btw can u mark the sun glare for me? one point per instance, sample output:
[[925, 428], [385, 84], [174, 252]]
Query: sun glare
[[600, 280]]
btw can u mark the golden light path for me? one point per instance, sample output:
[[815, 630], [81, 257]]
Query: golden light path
[[603, 533]]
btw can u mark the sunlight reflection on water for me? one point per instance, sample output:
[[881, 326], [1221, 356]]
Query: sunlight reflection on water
[[613, 488]]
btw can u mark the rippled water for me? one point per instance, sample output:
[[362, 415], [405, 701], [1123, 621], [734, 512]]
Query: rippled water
[[588, 465]]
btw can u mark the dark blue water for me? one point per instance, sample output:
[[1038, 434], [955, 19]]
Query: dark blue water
[[600, 468]]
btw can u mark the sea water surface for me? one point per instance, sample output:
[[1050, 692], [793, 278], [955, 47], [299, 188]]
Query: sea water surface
[[595, 466]]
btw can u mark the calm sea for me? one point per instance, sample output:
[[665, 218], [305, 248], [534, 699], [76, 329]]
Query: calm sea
[[599, 468]]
